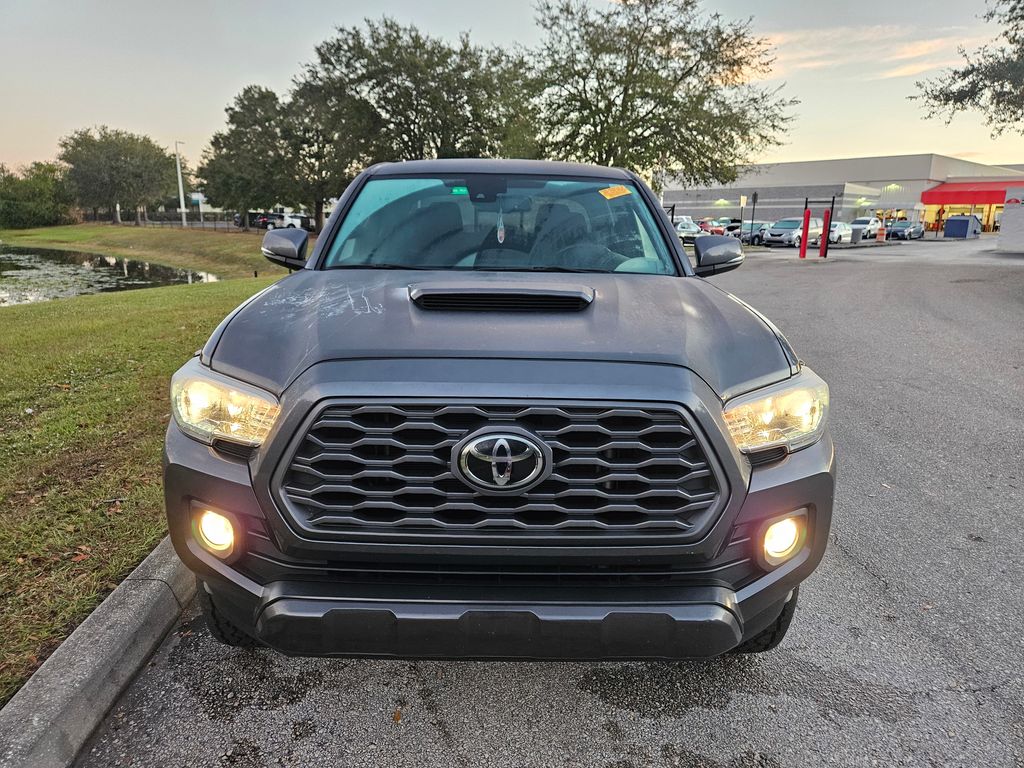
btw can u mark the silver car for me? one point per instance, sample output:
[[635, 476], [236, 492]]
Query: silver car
[[868, 226], [840, 232], [790, 232]]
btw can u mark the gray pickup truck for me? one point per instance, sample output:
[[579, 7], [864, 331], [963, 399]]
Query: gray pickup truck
[[497, 413]]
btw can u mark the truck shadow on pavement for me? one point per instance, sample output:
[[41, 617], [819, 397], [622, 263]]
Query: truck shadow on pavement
[[231, 682]]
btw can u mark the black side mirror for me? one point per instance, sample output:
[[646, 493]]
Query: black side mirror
[[286, 247], [716, 254]]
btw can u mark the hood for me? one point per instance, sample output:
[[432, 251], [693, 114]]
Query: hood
[[314, 316]]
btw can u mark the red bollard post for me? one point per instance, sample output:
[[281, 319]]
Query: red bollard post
[[807, 228], [825, 232]]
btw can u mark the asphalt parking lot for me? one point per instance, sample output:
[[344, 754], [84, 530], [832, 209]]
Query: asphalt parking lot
[[906, 648]]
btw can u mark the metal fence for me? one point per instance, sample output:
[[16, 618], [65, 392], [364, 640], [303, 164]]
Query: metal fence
[[206, 220]]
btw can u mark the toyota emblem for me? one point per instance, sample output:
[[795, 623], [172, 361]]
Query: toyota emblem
[[501, 462]]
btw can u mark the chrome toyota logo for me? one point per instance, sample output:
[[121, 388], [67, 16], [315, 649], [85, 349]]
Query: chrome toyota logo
[[501, 462]]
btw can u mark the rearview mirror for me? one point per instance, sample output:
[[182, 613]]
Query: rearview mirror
[[716, 254], [286, 247]]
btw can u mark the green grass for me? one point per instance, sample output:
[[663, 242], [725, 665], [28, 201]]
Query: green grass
[[83, 409], [224, 253]]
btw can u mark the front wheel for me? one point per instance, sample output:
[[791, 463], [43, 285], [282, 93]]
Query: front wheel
[[796, 242], [291, 226], [221, 628], [774, 633]]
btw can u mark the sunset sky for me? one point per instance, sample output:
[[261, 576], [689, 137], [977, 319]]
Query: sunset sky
[[168, 70]]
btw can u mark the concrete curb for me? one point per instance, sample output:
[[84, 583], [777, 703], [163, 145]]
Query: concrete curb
[[49, 720]]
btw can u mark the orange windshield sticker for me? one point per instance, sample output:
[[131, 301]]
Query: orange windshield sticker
[[610, 193]]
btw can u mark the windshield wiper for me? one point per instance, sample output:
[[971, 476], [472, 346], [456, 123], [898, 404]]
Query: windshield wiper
[[545, 268], [382, 266]]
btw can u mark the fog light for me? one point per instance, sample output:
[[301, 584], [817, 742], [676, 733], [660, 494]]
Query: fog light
[[782, 539], [215, 532]]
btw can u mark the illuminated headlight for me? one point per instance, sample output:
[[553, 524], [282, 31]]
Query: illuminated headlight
[[791, 414], [209, 407]]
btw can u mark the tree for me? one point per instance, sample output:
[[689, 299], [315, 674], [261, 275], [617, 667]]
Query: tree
[[244, 168], [108, 167], [656, 86], [422, 97], [991, 81], [39, 196], [325, 135]]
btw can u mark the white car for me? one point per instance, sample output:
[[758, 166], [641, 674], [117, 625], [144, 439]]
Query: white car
[[868, 225], [840, 232], [285, 221]]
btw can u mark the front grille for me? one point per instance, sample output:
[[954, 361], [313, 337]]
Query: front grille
[[621, 473]]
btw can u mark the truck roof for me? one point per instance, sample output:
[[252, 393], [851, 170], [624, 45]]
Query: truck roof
[[488, 165]]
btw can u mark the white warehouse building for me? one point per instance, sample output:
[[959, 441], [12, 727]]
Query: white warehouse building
[[917, 187]]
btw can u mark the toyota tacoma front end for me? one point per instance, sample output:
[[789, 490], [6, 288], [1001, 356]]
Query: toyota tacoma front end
[[498, 414]]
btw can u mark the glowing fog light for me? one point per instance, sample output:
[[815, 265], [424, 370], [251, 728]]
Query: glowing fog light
[[215, 532], [782, 539]]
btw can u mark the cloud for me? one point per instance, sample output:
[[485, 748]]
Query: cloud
[[863, 52], [919, 48], [917, 68]]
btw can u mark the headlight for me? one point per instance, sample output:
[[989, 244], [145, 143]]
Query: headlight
[[211, 407], [791, 414]]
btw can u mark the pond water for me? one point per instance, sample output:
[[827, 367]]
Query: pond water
[[36, 274]]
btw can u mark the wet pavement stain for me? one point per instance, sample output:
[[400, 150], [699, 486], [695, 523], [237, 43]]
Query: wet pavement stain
[[234, 679], [654, 690], [678, 757], [244, 754]]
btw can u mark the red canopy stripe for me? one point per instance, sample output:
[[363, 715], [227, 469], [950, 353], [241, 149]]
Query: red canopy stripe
[[968, 192]]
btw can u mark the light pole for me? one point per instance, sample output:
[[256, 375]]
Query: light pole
[[181, 187]]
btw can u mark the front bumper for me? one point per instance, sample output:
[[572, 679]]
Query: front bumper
[[307, 597], [311, 618]]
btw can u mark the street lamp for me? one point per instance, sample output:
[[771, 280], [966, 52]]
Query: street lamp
[[181, 187]]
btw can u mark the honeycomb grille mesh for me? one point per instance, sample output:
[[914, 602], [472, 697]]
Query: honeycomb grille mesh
[[368, 471]]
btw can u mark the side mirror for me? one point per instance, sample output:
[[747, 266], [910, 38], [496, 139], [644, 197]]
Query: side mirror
[[286, 247], [716, 254]]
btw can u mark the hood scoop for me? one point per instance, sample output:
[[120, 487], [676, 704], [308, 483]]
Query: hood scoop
[[501, 297]]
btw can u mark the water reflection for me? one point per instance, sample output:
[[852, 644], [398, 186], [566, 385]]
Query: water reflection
[[36, 274]]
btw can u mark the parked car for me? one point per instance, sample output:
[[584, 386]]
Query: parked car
[[354, 469], [904, 230], [284, 221], [751, 232], [790, 232], [719, 226], [840, 232], [868, 226], [688, 230]]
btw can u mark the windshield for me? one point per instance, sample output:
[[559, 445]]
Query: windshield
[[862, 221], [499, 222], [901, 224], [787, 224]]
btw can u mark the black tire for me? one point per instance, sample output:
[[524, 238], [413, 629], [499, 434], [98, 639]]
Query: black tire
[[223, 629], [773, 634]]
